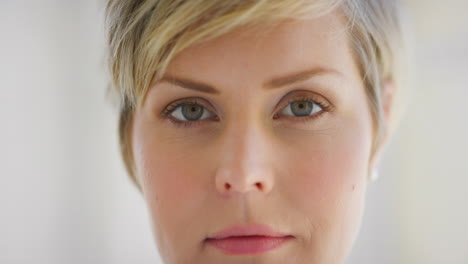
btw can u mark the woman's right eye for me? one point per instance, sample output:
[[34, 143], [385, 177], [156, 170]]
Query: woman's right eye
[[187, 113], [190, 112]]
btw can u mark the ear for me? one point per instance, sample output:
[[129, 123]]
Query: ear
[[387, 105]]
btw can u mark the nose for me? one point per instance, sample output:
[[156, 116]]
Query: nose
[[245, 161]]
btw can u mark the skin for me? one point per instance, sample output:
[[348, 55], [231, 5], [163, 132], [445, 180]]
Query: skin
[[303, 177]]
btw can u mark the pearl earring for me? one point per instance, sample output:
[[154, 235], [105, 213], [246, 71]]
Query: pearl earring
[[374, 174]]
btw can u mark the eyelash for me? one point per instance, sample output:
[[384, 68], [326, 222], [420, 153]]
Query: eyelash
[[326, 107]]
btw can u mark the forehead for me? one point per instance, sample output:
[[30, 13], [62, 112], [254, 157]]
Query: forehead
[[256, 53]]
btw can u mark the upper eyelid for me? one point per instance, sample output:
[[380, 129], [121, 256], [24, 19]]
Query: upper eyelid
[[182, 102], [287, 99], [316, 99], [306, 94]]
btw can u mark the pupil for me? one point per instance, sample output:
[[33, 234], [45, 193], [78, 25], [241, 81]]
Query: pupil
[[302, 108], [192, 111]]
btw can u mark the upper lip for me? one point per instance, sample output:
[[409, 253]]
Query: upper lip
[[247, 230]]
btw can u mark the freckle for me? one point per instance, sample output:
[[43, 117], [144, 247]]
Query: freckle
[[354, 187]]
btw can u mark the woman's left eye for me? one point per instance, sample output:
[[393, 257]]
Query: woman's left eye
[[302, 107]]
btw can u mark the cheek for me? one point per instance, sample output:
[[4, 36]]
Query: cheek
[[170, 174], [329, 163], [164, 165], [329, 185], [332, 184], [334, 166], [170, 178]]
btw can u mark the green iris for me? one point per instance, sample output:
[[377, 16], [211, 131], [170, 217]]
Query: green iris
[[302, 108], [192, 111]]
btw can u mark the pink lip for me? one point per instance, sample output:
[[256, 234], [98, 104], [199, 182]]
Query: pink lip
[[250, 239]]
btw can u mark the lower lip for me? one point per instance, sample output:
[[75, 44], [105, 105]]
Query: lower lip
[[248, 244]]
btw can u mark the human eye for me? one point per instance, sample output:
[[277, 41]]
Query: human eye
[[305, 108], [187, 112]]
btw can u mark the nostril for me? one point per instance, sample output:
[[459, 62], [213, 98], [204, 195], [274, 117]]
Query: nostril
[[259, 185]]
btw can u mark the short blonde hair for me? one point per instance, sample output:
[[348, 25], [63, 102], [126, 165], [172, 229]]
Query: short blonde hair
[[144, 35]]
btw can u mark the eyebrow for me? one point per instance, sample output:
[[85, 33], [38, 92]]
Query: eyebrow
[[276, 82]]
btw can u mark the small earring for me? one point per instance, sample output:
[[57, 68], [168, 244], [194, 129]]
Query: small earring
[[374, 174]]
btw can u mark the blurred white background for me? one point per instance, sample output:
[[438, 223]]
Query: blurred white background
[[64, 194]]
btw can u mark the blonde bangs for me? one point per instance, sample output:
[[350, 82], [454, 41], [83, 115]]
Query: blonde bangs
[[143, 47]]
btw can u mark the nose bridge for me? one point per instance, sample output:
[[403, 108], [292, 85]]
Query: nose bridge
[[245, 164], [244, 137]]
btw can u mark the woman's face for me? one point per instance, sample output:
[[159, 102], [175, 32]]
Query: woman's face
[[275, 130]]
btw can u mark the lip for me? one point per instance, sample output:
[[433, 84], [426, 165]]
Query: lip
[[248, 239]]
